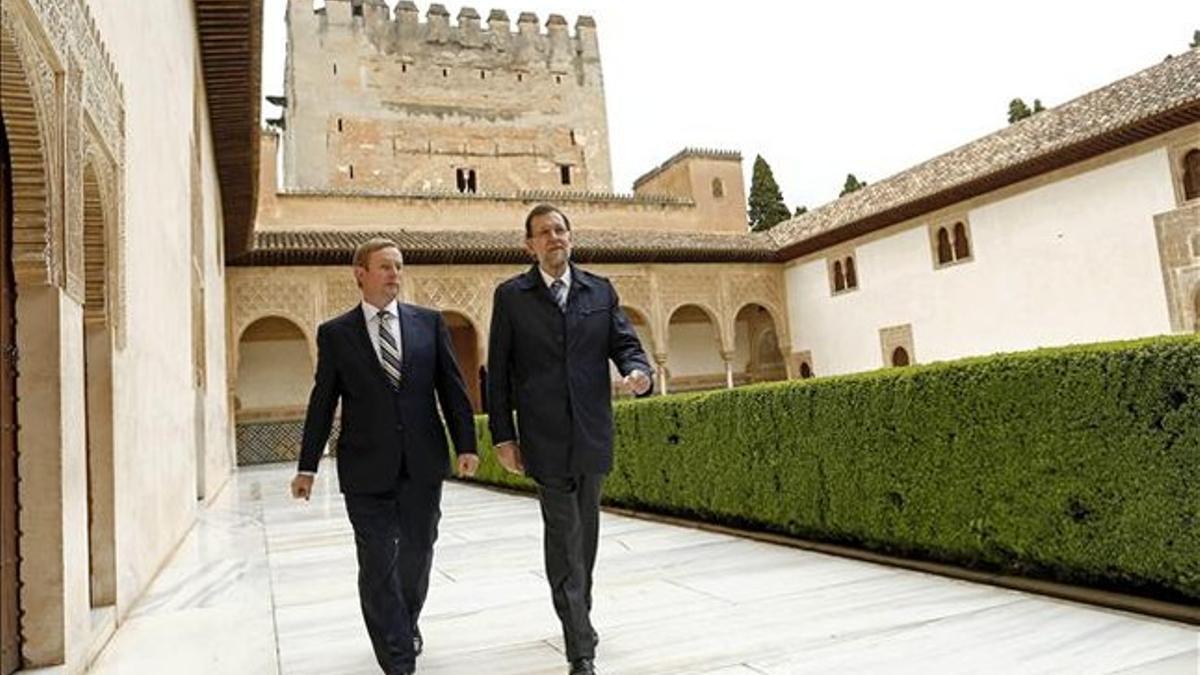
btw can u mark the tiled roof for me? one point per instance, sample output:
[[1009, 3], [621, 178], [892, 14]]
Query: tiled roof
[[1158, 99], [332, 247]]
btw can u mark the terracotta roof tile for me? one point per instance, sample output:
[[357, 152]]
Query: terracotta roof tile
[[328, 247]]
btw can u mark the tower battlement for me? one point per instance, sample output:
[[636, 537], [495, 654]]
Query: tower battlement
[[383, 99], [406, 33]]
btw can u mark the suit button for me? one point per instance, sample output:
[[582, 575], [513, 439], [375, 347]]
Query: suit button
[[399, 427]]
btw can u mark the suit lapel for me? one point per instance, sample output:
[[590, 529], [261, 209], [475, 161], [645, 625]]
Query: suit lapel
[[362, 340], [533, 281], [406, 316]]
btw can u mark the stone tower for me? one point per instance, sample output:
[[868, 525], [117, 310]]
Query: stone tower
[[389, 104]]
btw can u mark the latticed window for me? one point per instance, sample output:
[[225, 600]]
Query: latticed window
[[839, 278], [851, 277]]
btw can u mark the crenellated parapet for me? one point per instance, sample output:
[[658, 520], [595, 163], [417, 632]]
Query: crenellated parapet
[[435, 98], [406, 33]]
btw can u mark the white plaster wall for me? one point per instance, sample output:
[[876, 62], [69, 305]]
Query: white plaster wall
[[273, 374], [219, 452], [153, 46], [693, 349], [1073, 261]]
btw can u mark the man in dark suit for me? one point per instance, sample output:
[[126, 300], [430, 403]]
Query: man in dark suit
[[554, 330], [391, 365]]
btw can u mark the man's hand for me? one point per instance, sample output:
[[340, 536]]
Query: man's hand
[[509, 455], [637, 382], [302, 486], [467, 464]]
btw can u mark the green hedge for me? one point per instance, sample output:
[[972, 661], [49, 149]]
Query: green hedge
[[1080, 464]]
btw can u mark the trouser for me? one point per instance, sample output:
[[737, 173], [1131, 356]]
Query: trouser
[[394, 533], [571, 520]]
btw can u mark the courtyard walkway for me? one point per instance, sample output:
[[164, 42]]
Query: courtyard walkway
[[264, 584]]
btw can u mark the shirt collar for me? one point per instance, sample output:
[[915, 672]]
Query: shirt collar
[[566, 277], [371, 311]]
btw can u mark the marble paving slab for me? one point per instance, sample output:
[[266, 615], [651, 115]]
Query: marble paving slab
[[265, 584]]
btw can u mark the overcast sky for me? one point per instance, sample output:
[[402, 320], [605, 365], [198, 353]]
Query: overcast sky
[[822, 90]]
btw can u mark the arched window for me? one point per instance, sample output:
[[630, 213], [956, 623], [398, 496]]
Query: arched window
[[899, 356], [851, 277], [718, 188], [839, 280], [962, 247], [945, 253], [805, 370], [1191, 175]]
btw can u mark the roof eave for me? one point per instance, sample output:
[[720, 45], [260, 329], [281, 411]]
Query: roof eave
[[230, 37]]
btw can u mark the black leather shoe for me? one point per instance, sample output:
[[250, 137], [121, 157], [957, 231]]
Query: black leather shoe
[[584, 666]]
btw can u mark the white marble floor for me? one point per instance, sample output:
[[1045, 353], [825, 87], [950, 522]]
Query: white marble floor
[[264, 584]]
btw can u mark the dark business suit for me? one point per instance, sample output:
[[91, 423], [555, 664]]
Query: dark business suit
[[551, 367], [391, 459]]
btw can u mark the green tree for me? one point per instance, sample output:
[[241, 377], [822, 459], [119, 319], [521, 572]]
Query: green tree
[[1017, 110], [1195, 39], [852, 184], [766, 201], [800, 210]]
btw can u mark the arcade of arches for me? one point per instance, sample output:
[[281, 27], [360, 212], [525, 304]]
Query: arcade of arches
[[705, 327]]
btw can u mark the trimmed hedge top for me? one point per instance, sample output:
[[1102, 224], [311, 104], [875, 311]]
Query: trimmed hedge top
[[1079, 464]]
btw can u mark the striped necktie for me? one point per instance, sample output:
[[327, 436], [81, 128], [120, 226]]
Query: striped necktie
[[389, 354], [559, 290]]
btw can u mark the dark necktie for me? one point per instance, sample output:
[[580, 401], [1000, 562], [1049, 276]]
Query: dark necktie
[[389, 354], [559, 290]]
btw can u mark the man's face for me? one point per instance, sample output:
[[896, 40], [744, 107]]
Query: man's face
[[380, 279], [549, 240]]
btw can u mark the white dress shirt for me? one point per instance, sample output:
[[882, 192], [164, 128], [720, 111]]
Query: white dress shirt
[[566, 278], [371, 314]]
